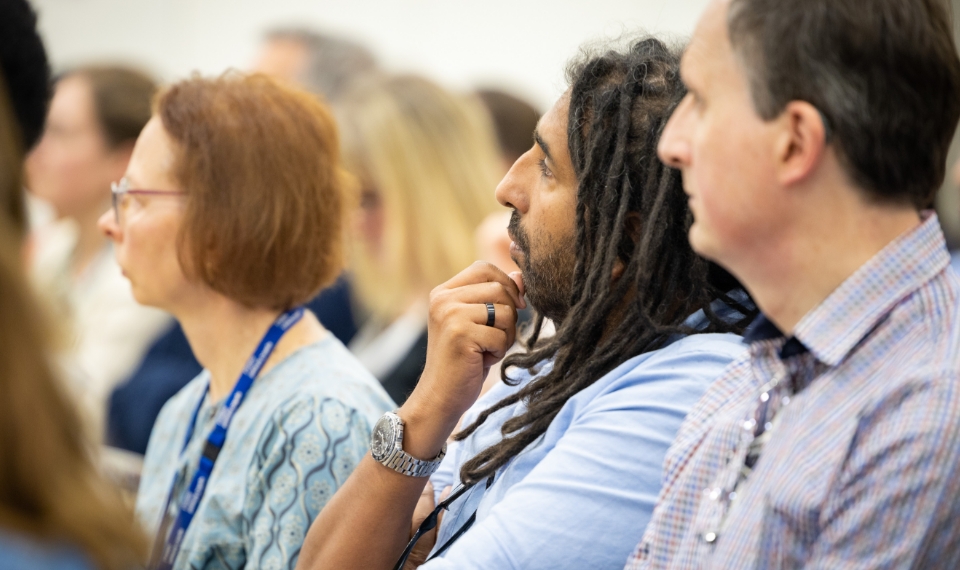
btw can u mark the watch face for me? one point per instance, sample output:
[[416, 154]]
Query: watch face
[[382, 439]]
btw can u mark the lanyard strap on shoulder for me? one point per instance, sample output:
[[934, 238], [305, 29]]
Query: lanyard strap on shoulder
[[198, 483]]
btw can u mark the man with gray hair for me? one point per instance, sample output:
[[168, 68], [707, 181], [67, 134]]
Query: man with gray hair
[[811, 142], [321, 63]]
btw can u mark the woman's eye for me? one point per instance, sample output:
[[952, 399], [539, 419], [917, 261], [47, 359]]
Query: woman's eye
[[137, 200], [369, 200]]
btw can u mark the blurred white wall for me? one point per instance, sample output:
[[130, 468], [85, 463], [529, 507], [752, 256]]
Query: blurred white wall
[[518, 44]]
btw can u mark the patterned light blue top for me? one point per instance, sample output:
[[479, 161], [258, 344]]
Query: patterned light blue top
[[579, 496], [302, 429]]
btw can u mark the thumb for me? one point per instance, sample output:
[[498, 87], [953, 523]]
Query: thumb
[[518, 279]]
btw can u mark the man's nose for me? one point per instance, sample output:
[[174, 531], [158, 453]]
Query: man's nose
[[512, 190], [674, 146]]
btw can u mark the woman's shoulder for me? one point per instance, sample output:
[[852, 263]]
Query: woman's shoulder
[[169, 429], [185, 400], [320, 372]]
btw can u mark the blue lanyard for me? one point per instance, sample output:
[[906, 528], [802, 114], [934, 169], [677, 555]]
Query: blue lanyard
[[190, 500]]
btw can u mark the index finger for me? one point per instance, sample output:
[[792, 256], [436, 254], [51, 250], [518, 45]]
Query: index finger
[[485, 272]]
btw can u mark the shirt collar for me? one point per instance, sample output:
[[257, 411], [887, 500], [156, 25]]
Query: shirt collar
[[763, 328], [833, 328]]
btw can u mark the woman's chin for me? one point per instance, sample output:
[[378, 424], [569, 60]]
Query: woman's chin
[[142, 297]]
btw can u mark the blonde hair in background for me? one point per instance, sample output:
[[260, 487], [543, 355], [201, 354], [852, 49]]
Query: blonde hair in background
[[433, 159]]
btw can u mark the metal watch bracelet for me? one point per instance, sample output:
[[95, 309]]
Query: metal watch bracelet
[[386, 446], [404, 463]]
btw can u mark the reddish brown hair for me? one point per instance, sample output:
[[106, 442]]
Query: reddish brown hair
[[259, 162]]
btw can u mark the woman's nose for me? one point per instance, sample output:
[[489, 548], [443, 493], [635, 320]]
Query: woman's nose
[[108, 225]]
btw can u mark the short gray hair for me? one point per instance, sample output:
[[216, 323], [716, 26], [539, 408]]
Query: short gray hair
[[884, 75], [334, 63]]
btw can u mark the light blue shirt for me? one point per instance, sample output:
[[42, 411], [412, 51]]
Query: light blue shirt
[[301, 430], [19, 552], [580, 496]]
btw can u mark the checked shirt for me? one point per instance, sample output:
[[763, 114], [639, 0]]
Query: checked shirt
[[861, 468]]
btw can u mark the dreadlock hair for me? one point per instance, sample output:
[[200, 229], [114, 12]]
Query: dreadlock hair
[[619, 104]]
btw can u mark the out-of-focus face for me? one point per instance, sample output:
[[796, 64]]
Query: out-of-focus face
[[724, 149], [283, 59], [371, 221], [72, 166], [145, 239], [541, 187]]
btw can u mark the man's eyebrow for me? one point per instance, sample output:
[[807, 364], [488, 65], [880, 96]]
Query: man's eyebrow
[[543, 145]]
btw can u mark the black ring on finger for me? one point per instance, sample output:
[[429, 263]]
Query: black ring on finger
[[491, 314]]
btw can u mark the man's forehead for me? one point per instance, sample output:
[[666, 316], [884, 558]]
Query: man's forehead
[[709, 41], [553, 124], [556, 113]]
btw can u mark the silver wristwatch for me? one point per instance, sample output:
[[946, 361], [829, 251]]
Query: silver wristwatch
[[386, 446]]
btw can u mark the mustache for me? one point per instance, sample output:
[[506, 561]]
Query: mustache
[[519, 236]]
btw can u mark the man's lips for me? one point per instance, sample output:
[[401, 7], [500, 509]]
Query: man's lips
[[514, 248]]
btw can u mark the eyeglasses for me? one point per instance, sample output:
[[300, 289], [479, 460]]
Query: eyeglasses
[[121, 192]]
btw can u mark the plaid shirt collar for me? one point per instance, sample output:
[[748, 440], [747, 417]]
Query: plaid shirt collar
[[838, 324]]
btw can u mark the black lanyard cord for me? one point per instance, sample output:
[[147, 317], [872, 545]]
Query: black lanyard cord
[[430, 523]]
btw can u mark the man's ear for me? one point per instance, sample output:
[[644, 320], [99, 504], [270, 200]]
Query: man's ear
[[634, 227], [802, 142]]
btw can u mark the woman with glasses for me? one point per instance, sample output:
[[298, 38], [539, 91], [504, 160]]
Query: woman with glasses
[[230, 217]]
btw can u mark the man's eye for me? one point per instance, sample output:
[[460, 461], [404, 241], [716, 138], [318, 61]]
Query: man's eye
[[543, 167]]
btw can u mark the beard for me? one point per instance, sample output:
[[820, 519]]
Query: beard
[[548, 274]]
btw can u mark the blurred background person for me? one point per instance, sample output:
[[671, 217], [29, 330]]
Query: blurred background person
[[427, 163], [230, 216], [94, 118], [56, 513], [324, 64], [26, 71], [327, 66], [514, 121]]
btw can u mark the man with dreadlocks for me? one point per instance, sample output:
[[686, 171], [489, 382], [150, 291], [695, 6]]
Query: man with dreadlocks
[[561, 462]]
